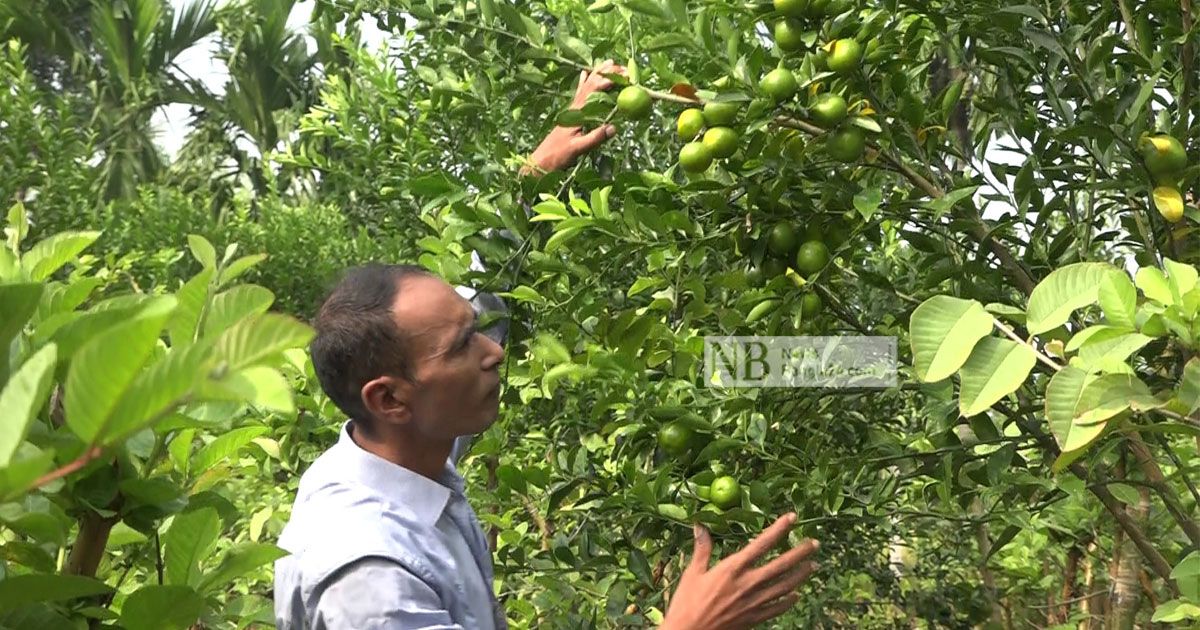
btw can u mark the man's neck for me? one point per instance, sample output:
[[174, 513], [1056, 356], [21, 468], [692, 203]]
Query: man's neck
[[420, 455]]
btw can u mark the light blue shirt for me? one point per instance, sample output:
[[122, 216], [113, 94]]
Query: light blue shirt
[[375, 546]]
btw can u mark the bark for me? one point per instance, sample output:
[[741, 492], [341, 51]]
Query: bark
[[1127, 588], [1070, 575], [1093, 606], [89, 545], [1156, 479]]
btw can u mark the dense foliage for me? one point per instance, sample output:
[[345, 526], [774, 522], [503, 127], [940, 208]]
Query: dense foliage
[[1008, 190]]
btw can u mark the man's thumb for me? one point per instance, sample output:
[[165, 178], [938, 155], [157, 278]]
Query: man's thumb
[[594, 138]]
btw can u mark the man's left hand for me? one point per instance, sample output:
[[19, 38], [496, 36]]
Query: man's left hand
[[565, 144]]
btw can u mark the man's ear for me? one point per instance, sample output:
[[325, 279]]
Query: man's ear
[[388, 398]]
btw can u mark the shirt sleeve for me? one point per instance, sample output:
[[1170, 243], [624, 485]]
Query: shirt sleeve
[[378, 594]]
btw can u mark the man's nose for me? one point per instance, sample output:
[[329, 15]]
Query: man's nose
[[495, 354]]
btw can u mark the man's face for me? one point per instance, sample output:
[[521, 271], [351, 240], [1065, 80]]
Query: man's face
[[456, 367]]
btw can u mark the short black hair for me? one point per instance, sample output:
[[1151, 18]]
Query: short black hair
[[357, 339]]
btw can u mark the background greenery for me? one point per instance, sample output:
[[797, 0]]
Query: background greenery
[[1035, 467]]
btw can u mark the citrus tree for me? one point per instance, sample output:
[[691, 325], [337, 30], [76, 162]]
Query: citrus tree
[[1009, 191], [980, 181]]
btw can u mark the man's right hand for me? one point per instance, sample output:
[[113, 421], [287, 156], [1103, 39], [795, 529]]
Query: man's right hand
[[736, 593]]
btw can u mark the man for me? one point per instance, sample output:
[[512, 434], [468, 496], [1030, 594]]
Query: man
[[381, 535]]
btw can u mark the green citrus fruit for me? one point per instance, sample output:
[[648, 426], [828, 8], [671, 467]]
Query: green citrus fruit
[[780, 84], [772, 267], [720, 114], [812, 256], [755, 277], [721, 141], [694, 157], [690, 123], [817, 8], [810, 305], [675, 438], [634, 102], [782, 240], [791, 8], [725, 492], [1163, 155], [846, 144], [844, 56], [789, 35], [828, 110]]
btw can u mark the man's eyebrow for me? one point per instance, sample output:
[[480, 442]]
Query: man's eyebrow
[[468, 330]]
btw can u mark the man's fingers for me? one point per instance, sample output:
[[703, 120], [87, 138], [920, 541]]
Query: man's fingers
[[594, 138], [701, 549], [579, 89], [787, 583], [775, 608], [765, 541], [788, 560]]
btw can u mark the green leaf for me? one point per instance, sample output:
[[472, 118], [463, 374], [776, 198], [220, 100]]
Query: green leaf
[[1187, 575], [867, 201], [20, 301], [1118, 300], [239, 267], [225, 446], [192, 297], [230, 306], [23, 397], [995, 369], [1181, 279], [21, 590], [118, 354], [238, 562], [163, 385], [187, 543], [943, 204], [651, 8], [866, 123], [512, 478], [1063, 394], [1126, 493], [161, 607], [260, 337], [50, 254], [1189, 385], [944, 331], [25, 468], [203, 250], [1098, 352], [1111, 394], [264, 387], [1153, 283], [672, 511], [1063, 292], [1175, 610]]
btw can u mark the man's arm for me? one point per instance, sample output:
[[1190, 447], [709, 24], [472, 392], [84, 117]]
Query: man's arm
[[378, 594], [564, 145]]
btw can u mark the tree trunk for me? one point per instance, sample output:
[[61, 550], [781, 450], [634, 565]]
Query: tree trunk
[[1127, 588], [1070, 574], [89, 545], [984, 542], [1093, 605]]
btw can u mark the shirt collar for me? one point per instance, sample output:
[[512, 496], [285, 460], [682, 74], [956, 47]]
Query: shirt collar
[[426, 498]]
